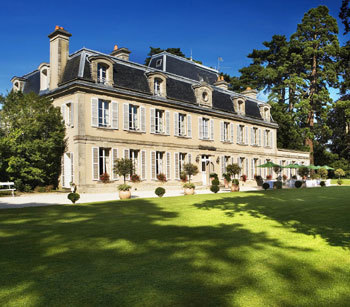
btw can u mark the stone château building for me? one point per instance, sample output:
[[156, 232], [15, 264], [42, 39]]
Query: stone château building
[[163, 115]]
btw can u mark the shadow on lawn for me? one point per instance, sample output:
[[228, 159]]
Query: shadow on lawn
[[129, 253], [319, 211]]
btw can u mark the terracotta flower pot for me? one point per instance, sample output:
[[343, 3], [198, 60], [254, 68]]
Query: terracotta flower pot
[[226, 183], [188, 191], [234, 188], [124, 194]]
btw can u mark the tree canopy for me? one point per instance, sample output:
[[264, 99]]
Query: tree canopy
[[32, 140]]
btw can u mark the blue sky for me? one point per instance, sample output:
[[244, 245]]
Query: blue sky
[[229, 29]]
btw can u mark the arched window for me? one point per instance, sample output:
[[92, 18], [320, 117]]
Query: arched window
[[157, 86], [44, 79], [266, 113]]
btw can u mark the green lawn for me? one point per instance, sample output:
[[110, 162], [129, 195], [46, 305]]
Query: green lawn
[[274, 248], [345, 181]]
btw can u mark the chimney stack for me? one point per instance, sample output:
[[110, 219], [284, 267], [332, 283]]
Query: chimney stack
[[121, 53], [249, 92], [221, 83], [59, 53]]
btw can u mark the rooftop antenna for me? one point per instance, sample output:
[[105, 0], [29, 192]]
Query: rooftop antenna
[[191, 55], [220, 59]]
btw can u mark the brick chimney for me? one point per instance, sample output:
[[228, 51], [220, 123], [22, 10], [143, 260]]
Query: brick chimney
[[249, 92], [121, 53], [59, 52]]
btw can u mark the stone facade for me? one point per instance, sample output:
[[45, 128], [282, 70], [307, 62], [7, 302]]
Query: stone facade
[[110, 120]]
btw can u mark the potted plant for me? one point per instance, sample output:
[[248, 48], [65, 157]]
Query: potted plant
[[190, 170], [135, 178], [161, 177], [259, 180], [303, 172], [233, 170], [124, 167], [104, 178], [124, 191], [215, 185], [183, 176], [244, 178], [227, 180], [284, 177], [269, 177]]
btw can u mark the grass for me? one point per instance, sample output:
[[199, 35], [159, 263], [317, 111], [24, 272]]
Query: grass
[[274, 248], [345, 181]]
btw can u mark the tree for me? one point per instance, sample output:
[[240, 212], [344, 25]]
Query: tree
[[317, 43], [191, 170], [303, 171], [233, 169], [123, 167], [344, 15], [339, 172], [32, 140]]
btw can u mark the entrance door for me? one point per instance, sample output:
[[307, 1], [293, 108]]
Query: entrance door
[[67, 170], [205, 169]]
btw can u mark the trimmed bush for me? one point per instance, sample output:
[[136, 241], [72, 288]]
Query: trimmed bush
[[215, 182], [298, 184], [73, 197], [213, 175], [322, 184], [339, 182], [159, 191], [265, 186], [124, 187], [214, 188]]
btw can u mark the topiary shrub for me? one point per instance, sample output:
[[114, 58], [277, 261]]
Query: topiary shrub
[[298, 184], [189, 185], [213, 175], [277, 185], [265, 186], [339, 182], [159, 191], [73, 197], [214, 188], [215, 182], [124, 187], [322, 184]]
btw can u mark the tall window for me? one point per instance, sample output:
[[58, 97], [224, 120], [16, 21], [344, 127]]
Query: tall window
[[255, 136], [133, 117], [182, 124], [205, 128], [159, 121], [182, 157], [101, 73], [134, 157], [157, 87], [241, 134], [104, 161], [267, 138], [103, 113], [159, 162]]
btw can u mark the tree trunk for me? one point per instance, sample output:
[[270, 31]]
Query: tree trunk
[[291, 99]]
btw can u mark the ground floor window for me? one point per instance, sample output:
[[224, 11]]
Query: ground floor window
[[134, 157], [159, 162], [104, 161]]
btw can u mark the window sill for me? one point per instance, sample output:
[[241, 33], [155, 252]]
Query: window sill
[[106, 128], [207, 140], [227, 142], [242, 144], [136, 131], [183, 136]]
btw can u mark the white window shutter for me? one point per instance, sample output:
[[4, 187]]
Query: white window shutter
[[189, 126], [222, 166], [72, 167], [264, 138], [222, 127], [114, 114], [167, 122], [252, 136], [95, 164], [143, 164], [153, 165], [63, 112], [189, 158], [238, 135], [127, 156], [247, 167], [71, 115], [246, 135], [126, 116], [168, 165], [259, 137], [252, 171], [200, 128], [62, 170], [271, 141], [114, 158], [212, 129], [176, 169], [232, 132], [176, 123], [153, 125], [143, 119], [94, 112]]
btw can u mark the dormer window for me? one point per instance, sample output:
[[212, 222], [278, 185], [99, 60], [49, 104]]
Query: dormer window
[[157, 83], [102, 70], [203, 93], [17, 84], [265, 112], [239, 105], [101, 73], [16, 87]]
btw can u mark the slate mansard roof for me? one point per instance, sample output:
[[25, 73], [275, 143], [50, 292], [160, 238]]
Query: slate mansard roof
[[181, 74]]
